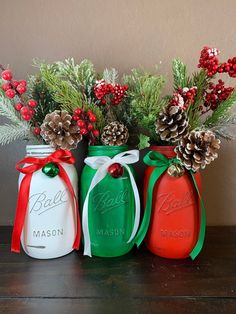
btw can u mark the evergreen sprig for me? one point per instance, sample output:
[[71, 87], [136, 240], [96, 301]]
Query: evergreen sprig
[[65, 92], [201, 82], [222, 111], [179, 74], [38, 90], [144, 100], [17, 129], [110, 76]]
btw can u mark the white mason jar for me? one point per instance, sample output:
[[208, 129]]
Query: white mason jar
[[51, 222]]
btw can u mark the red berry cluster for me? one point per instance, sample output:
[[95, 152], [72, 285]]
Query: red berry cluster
[[109, 93], [218, 93], [228, 67], [14, 88], [85, 121], [209, 60], [184, 97]]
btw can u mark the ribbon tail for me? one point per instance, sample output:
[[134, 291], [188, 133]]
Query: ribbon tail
[[198, 247], [75, 207], [157, 172], [137, 204], [22, 204], [100, 174]]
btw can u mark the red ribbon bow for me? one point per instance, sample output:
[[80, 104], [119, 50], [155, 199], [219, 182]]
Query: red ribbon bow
[[35, 164]]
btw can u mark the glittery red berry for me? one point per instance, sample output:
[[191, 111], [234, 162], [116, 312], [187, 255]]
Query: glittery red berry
[[21, 88], [10, 93], [209, 60], [32, 103], [83, 131], [78, 111], [18, 106], [81, 123], [37, 131], [92, 118], [96, 133], [24, 111], [90, 127], [26, 117], [23, 82], [6, 86], [6, 75], [15, 83]]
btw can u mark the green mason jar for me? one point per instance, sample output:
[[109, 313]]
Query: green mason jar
[[111, 207]]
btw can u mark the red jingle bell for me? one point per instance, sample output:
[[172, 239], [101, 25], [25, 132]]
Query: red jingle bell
[[116, 170]]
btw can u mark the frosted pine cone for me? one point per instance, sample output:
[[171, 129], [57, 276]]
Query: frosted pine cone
[[59, 131], [198, 149], [115, 133], [172, 124]]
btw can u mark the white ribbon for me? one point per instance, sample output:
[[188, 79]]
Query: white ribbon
[[101, 163]]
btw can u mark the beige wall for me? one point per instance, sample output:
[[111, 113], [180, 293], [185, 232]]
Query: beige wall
[[123, 34]]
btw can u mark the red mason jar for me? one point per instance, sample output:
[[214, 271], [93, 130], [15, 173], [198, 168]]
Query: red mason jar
[[174, 225]]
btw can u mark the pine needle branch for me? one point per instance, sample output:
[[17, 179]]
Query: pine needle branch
[[179, 74], [12, 132], [110, 76], [222, 111], [201, 82], [62, 91]]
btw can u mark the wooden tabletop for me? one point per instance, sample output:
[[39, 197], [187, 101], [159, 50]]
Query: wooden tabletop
[[138, 282]]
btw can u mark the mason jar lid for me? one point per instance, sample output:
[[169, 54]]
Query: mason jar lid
[[39, 150]]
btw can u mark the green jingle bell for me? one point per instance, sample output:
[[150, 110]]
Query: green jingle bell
[[51, 169]]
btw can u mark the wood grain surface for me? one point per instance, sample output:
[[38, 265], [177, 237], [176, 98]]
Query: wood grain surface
[[138, 282]]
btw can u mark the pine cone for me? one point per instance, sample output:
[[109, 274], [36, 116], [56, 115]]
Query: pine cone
[[59, 131], [172, 124], [198, 149], [115, 134]]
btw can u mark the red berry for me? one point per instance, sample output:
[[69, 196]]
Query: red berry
[[21, 88], [31, 111], [75, 118], [96, 133], [15, 83], [10, 93], [24, 111], [37, 131], [6, 86], [18, 106], [6, 75], [81, 123], [32, 103], [83, 131], [90, 127], [26, 117], [78, 111], [92, 118], [23, 82]]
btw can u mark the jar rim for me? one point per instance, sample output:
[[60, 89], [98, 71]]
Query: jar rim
[[39, 150], [106, 147]]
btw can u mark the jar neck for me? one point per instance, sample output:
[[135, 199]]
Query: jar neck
[[109, 151], [167, 151], [39, 151]]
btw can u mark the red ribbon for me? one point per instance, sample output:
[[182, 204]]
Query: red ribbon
[[36, 164]]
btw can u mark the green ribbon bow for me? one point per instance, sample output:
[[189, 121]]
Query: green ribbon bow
[[161, 164]]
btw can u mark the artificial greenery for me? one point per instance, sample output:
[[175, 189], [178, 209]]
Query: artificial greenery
[[70, 86], [38, 90], [16, 128], [144, 103]]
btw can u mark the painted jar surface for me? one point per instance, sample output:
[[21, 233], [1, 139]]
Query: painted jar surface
[[174, 224], [111, 207], [51, 221]]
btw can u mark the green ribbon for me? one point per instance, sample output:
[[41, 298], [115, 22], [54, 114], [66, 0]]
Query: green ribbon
[[161, 164]]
